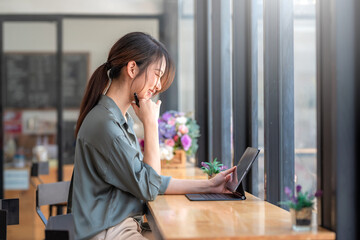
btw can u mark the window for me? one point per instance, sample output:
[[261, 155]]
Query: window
[[261, 186], [30, 117], [186, 53], [305, 94]]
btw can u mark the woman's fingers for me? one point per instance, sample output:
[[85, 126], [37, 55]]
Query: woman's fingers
[[230, 170], [226, 191], [148, 111], [142, 101], [228, 177], [135, 107]]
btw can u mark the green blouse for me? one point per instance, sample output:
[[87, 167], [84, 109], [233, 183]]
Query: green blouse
[[111, 182]]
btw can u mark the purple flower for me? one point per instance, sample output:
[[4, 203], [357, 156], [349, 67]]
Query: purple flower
[[223, 167], [288, 191], [186, 142], [318, 193], [298, 188], [166, 131], [170, 132], [166, 116], [162, 124], [160, 120], [205, 165]]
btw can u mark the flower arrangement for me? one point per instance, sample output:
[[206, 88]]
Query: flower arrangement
[[300, 200], [177, 131], [212, 168]]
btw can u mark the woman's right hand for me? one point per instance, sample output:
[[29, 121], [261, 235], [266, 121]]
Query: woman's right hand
[[220, 181], [148, 113]]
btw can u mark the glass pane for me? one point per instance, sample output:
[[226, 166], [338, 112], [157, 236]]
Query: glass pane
[[30, 119], [261, 99], [305, 93], [186, 58], [186, 71], [30, 91]]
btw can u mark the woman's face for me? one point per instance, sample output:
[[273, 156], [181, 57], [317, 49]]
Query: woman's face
[[153, 81]]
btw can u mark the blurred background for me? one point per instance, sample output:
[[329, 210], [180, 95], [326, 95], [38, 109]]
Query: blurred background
[[49, 49], [31, 79]]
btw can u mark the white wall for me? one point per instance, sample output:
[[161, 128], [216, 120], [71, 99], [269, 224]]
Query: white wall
[[29, 37], [127, 7], [93, 36], [96, 36]]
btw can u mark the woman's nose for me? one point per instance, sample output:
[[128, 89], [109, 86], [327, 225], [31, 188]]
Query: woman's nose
[[158, 85]]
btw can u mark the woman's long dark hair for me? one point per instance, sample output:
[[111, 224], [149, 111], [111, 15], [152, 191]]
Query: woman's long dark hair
[[137, 46]]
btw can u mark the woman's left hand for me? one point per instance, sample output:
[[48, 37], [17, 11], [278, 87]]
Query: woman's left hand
[[219, 182]]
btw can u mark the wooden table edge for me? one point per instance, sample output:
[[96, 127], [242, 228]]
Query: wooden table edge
[[325, 234]]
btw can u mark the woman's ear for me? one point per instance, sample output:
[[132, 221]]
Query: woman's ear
[[132, 69]]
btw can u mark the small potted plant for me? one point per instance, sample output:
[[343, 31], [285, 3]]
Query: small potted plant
[[212, 168], [301, 206]]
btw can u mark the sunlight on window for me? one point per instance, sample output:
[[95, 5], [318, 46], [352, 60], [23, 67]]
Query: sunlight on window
[[261, 99], [305, 93]]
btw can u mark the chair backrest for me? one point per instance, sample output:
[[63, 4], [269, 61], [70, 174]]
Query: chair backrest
[[60, 227], [39, 168], [49, 194], [3, 224], [12, 208], [9, 214]]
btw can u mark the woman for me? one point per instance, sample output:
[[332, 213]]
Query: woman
[[112, 179]]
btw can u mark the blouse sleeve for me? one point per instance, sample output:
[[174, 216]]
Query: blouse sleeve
[[127, 172]]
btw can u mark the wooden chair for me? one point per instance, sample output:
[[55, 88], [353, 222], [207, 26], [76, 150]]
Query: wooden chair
[[37, 169], [60, 227]]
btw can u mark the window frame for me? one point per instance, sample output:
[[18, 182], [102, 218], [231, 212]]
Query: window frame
[[278, 98]]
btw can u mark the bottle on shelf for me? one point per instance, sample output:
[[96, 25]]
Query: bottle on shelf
[[10, 149], [19, 159]]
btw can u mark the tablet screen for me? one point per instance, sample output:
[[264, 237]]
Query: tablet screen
[[242, 168]]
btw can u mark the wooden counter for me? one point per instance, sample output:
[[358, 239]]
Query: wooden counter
[[189, 172], [175, 217]]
